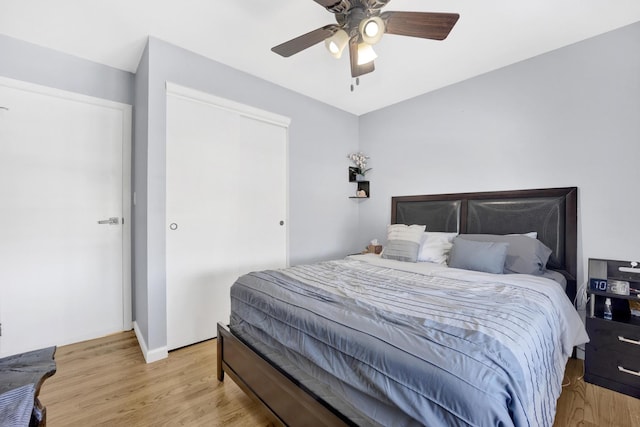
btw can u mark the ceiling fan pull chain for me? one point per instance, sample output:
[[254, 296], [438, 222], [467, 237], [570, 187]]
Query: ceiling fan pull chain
[[357, 80], [354, 83]]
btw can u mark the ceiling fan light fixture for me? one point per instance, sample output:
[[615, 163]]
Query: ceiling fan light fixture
[[366, 53], [336, 43], [371, 29], [360, 24]]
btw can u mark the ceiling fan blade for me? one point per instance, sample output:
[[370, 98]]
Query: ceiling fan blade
[[358, 70], [304, 41], [427, 25]]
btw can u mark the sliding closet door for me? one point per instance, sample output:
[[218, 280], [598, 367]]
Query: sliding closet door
[[226, 209], [262, 239]]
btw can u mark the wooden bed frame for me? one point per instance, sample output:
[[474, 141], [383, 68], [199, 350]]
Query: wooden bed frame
[[554, 217]]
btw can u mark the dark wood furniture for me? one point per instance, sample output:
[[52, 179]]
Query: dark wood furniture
[[550, 212], [612, 356], [24, 369], [286, 400]]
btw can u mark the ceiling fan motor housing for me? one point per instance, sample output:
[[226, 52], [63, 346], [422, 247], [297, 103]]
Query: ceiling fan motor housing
[[342, 6], [349, 13]]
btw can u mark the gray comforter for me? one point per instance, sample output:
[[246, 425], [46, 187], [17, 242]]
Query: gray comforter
[[446, 348]]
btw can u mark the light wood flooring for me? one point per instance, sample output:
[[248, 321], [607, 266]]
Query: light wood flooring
[[107, 382]]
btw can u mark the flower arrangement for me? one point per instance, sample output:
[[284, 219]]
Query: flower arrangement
[[360, 160]]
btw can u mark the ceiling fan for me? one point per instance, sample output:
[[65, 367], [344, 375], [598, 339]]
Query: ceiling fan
[[361, 24]]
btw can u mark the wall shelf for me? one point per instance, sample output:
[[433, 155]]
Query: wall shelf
[[362, 186]]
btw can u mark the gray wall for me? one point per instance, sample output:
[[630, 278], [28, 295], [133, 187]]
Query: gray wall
[[31, 63], [139, 188], [322, 220], [567, 118]]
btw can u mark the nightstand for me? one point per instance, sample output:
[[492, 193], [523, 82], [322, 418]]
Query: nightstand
[[612, 357]]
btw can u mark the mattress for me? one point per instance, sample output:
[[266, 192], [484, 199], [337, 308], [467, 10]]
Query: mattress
[[389, 346]]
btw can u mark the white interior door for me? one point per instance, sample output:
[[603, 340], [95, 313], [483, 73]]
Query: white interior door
[[226, 208], [62, 275]]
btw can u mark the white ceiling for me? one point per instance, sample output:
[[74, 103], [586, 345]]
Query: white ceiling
[[240, 33]]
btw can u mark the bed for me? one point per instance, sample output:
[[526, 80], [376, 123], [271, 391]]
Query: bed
[[371, 340]]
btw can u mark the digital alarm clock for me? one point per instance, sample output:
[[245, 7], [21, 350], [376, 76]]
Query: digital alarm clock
[[598, 285]]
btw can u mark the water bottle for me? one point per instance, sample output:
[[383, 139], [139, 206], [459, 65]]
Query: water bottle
[[607, 309]]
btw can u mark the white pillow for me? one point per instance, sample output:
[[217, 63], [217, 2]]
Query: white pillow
[[438, 235], [435, 247], [532, 234]]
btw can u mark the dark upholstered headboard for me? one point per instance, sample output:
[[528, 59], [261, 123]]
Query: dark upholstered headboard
[[551, 212]]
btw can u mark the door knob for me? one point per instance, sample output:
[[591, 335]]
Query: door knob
[[111, 221], [173, 226]]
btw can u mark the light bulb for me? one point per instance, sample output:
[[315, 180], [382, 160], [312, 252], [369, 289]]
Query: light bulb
[[336, 43], [371, 29], [366, 53]]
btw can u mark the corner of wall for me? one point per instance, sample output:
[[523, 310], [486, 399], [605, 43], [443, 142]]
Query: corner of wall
[[153, 355]]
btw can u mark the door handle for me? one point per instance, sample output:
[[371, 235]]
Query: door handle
[[111, 221]]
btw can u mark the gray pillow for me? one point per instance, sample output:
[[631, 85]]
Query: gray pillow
[[403, 242], [478, 256], [525, 255], [401, 250]]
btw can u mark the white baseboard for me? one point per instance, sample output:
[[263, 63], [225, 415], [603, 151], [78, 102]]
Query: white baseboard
[[150, 356]]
